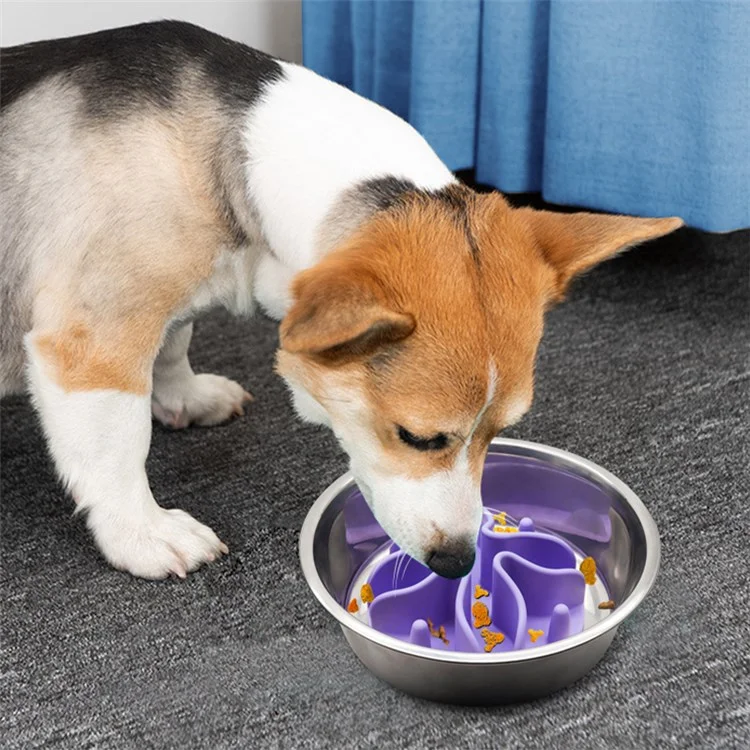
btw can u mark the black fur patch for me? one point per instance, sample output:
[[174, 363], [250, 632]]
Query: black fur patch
[[383, 193], [459, 200], [127, 67], [232, 223], [384, 358]]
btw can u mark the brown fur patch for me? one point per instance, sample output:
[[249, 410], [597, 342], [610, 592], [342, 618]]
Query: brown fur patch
[[81, 364]]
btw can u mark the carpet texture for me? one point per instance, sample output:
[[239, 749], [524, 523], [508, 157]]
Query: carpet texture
[[644, 370]]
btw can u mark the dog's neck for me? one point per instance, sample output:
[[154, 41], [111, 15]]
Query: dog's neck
[[321, 160]]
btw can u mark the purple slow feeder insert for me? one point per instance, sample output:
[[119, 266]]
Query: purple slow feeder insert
[[532, 576], [533, 583]]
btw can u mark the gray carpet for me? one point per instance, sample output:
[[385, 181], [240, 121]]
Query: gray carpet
[[644, 370]]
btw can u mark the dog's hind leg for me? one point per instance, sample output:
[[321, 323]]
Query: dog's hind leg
[[180, 397], [93, 395]]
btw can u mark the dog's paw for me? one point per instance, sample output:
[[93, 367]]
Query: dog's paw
[[203, 400], [166, 542]]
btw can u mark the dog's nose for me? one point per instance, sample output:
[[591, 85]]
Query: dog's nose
[[452, 559]]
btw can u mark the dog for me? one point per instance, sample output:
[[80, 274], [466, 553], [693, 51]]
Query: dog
[[152, 172]]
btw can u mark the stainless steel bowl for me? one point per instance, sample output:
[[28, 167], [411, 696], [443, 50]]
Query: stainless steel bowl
[[628, 561]]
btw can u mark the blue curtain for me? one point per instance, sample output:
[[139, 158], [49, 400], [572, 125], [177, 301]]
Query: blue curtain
[[630, 106]]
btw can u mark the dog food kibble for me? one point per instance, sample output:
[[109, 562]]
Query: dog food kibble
[[353, 606], [588, 568], [491, 639], [505, 529], [500, 518], [479, 592], [442, 635], [437, 633], [535, 634], [481, 615], [607, 605], [366, 594]]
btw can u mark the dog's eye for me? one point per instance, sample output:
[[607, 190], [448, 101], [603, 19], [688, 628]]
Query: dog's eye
[[434, 443]]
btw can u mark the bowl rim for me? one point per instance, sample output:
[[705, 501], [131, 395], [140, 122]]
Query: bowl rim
[[559, 457]]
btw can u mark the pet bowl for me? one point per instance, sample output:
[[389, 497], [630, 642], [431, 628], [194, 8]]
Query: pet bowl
[[539, 627]]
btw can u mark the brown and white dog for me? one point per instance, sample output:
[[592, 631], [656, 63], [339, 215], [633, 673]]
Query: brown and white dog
[[152, 172]]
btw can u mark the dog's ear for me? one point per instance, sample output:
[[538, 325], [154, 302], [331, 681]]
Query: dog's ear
[[340, 312], [573, 243]]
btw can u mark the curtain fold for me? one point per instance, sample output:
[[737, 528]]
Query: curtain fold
[[632, 106]]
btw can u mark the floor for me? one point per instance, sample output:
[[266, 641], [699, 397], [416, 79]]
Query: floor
[[644, 370]]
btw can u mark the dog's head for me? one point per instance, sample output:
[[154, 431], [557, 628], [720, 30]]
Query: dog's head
[[415, 342]]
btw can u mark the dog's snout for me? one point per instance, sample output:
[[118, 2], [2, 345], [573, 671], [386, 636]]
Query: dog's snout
[[453, 559]]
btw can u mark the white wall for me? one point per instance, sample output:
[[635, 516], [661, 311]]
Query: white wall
[[274, 26]]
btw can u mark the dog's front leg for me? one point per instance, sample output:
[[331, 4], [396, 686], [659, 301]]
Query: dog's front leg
[[99, 431], [180, 397]]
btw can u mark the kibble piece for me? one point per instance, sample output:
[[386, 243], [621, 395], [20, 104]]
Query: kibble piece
[[479, 592], [505, 529], [366, 594], [437, 633], [481, 615], [442, 635], [491, 639], [609, 604], [588, 568], [353, 606], [535, 635], [500, 518]]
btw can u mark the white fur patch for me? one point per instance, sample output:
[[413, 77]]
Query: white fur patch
[[308, 141], [307, 407], [516, 408], [272, 286]]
